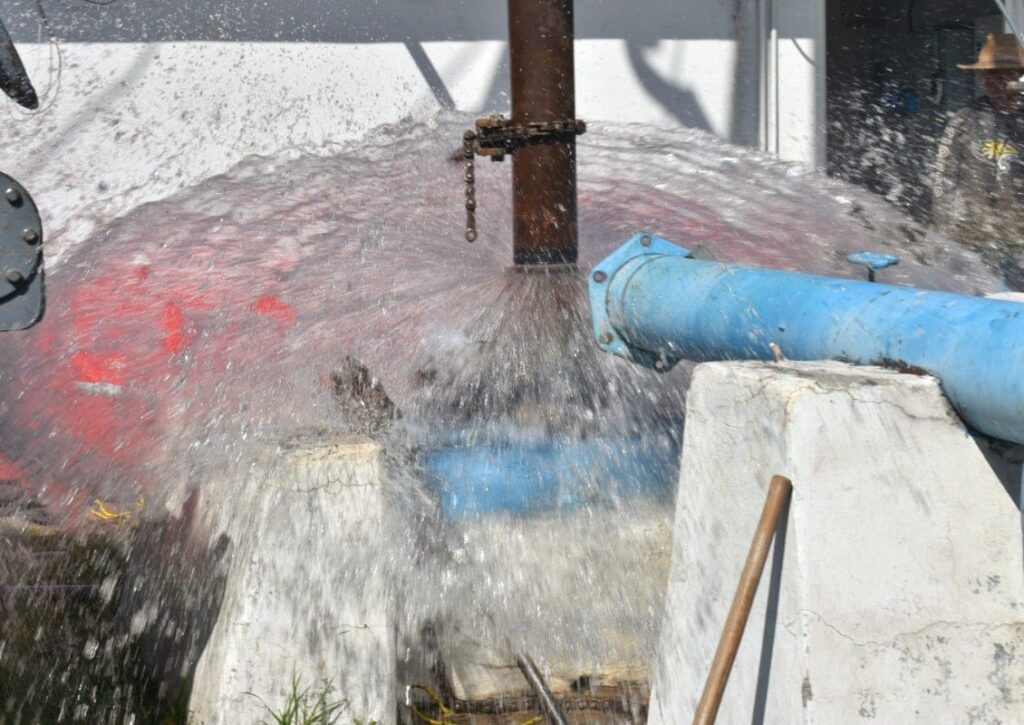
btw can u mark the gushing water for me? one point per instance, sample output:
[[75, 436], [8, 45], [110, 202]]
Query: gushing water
[[337, 294]]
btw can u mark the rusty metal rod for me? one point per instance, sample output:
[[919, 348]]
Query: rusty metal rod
[[553, 714], [732, 633], [541, 37]]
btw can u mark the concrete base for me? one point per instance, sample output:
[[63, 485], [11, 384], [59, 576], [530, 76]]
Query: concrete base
[[895, 594], [306, 599]]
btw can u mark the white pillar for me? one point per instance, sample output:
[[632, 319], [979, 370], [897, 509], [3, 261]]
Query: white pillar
[[897, 594], [306, 595], [793, 80]]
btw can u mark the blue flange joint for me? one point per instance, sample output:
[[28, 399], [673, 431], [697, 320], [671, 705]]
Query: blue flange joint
[[642, 244]]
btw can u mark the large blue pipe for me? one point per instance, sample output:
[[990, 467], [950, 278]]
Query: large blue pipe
[[654, 304]]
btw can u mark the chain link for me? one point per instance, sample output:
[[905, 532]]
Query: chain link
[[469, 151], [497, 137]]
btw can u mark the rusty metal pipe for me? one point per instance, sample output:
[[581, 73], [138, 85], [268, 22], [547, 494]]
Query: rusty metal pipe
[[541, 37], [732, 633], [546, 703]]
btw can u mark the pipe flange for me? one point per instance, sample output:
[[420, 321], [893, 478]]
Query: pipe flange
[[642, 244], [21, 256]]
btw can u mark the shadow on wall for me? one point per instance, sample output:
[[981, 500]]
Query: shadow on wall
[[771, 618], [679, 102]]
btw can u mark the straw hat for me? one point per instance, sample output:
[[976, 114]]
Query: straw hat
[[1000, 52]]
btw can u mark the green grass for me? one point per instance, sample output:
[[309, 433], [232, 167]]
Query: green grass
[[309, 706]]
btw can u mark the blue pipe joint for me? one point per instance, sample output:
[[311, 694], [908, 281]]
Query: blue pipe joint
[[656, 305], [606, 281]]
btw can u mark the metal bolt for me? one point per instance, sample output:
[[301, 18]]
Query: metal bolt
[[13, 276], [600, 276], [30, 236], [606, 338], [13, 196], [645, 240]]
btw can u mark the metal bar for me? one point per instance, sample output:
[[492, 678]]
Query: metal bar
[[541, 37], [656, 306], [14, 80], [732, 633], [1009, 21], [546, 701]]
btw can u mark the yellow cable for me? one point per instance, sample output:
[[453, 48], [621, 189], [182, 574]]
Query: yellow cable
[[104, 512], [436, 699]]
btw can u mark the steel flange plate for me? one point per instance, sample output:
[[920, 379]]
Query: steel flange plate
[[21, 255]]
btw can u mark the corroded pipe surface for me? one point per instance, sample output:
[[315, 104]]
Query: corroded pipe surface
[[543, 91]]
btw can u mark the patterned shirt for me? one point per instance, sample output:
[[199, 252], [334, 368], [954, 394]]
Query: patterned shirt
[[978, 193]]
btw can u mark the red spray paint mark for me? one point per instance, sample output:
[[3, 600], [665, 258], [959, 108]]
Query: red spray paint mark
[[90, 367], [274, 307], [175, 336]]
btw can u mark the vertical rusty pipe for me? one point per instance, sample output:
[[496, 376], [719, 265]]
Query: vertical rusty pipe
[[543, 90]]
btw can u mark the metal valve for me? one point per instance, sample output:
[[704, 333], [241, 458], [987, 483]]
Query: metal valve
[[873, 261]]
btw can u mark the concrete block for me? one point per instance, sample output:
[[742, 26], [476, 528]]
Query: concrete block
[[306, 596], [896, 592]]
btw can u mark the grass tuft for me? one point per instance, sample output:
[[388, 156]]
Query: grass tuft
[[309, 706]]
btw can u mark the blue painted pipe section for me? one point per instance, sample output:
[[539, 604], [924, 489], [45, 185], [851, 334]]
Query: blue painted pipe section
[[524, 476], [655, 305]]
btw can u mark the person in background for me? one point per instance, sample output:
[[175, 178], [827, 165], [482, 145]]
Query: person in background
[[978, 193]]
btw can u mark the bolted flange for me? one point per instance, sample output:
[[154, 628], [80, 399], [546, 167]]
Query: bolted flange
[[21, 244]]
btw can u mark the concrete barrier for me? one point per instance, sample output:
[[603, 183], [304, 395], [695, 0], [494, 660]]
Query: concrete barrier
[[894, 594], [306, 599]]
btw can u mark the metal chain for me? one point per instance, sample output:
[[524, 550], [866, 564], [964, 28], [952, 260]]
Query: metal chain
[[469, 151], [497, 137]]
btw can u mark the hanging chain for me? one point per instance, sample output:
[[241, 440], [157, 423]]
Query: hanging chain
[[497, 137], [469, 151]]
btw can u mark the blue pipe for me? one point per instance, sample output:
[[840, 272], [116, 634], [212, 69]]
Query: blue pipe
[[654, 304], [522, 476]]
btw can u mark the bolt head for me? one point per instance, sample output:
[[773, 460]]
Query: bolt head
[[606, 338], [645, 240], [600, 276], [13, 276], [30, 236], [13, 196]]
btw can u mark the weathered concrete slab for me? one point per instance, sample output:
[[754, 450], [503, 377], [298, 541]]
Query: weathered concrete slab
[[898, 594], [306, 594]]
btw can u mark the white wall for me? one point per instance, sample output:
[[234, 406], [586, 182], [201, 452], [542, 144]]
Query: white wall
[[143, 97]]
